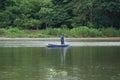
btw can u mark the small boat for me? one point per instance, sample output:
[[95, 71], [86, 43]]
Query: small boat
[[58, 45]]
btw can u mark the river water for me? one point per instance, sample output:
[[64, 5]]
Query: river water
[[32, 60]]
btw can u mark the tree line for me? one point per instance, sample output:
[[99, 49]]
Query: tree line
[[42, 14]]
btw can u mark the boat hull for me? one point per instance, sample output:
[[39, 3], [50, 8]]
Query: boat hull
[[57, 45]]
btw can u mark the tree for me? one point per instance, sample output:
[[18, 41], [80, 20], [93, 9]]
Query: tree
[[41, 14], [5, 3]]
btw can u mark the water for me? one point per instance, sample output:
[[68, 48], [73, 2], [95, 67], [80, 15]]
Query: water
[[25, 43], [32, 60]]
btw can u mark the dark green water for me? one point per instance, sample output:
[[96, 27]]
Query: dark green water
[[74, 63]]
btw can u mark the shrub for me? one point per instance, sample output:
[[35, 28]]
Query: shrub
[[85, 32], [15, 32], [2, 31], [111, 32], [80, 31], [95, 32], [54, 31]]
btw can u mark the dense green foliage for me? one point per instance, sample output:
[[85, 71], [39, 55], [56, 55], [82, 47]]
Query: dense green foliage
[[41, 14], [56, 32]]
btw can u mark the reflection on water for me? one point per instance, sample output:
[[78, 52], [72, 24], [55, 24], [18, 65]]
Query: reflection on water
[[63, 54], [60, 73], [74, 63]]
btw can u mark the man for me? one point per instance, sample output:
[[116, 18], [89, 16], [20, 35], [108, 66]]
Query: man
[[62, 39]]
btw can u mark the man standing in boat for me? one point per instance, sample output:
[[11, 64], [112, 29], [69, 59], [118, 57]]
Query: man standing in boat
[[62, 39]]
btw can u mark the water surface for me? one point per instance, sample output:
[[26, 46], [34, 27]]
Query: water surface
[[83, 61], [25, 43]]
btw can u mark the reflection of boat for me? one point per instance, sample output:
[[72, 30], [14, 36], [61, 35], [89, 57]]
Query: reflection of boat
[[57, 45], [61, 49], [63, 54]]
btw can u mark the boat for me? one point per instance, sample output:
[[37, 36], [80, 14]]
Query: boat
[[58, 45]]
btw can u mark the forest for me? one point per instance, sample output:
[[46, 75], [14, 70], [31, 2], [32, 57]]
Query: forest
[[42, 14]]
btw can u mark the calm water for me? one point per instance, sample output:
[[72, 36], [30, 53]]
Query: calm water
[[85, 61]]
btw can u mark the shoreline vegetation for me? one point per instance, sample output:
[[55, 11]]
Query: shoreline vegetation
[[79, 32]]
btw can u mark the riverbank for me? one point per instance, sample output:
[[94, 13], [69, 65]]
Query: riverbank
[[67, 39]]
